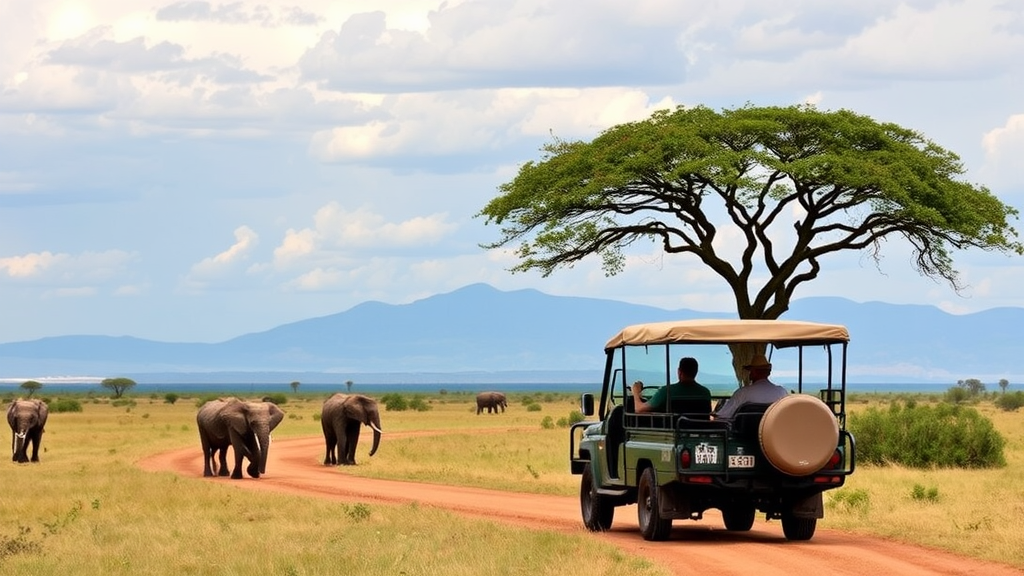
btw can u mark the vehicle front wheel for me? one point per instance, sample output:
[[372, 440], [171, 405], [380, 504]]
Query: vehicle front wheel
[[738, 517], [652, 525], [798, 528], [597, 511]]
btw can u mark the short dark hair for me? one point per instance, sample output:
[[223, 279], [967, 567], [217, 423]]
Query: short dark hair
[[688, 366]]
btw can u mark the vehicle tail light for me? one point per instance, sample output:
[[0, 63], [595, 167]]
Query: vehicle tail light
[[684, 458], [835, 461]]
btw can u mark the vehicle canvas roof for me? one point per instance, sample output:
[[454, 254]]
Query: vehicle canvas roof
[[780, 333]]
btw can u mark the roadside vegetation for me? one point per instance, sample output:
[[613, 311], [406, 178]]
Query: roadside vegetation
[[88, 509]]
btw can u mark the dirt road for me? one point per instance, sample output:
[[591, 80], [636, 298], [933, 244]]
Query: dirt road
[[703, 547]]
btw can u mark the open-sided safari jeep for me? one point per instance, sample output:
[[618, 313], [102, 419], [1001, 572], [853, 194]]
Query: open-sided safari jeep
[[775, 459]]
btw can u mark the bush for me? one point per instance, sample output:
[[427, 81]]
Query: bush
[[419, 404], [547, 423], [65, 405], [533, 407], [1010, 402], [947, 435], [394, 402], [170, 398], [276, 398]]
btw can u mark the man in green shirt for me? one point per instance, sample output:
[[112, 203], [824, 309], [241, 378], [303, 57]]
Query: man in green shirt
[[686, 389]]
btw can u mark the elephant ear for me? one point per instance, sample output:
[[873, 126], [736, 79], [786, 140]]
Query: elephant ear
[[236, 416], [42, 411], [276, 415]]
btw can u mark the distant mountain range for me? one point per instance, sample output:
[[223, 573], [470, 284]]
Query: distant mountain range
[[481, 334]]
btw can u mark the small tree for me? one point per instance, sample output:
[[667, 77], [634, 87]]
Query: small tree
[[972, 385], [295, 386], [348, 385], [31, 386], [118, 385], [1003, 384]]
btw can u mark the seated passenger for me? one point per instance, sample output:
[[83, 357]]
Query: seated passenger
[[759, 389], [686, 389]]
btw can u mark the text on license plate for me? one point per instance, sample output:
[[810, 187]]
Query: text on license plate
[[741, 461]]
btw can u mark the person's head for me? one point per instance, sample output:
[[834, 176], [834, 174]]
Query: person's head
[[759, 367], [687, 368]]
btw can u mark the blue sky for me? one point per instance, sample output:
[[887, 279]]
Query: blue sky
[[193, 171]]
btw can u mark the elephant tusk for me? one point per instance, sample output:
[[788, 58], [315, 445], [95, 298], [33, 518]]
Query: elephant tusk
[[21, 434], [374, 426]]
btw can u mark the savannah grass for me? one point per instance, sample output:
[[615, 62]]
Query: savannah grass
[[88, 509]]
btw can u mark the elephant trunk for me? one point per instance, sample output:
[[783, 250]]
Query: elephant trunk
[[263, 445], [375, 424], [19, 446]]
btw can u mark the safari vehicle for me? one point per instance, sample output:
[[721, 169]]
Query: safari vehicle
[[774, 459]]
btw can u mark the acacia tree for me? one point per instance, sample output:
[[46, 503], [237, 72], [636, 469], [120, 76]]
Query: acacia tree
[[31, 386], [118, 385], [850, 181]]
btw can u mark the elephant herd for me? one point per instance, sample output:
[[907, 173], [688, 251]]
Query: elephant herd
[[246, 427]]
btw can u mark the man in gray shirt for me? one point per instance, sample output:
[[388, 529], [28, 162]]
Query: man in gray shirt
[[760, 390]]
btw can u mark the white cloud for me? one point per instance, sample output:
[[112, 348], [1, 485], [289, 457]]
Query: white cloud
[[226, 263], [1004, 147], [67, 269]]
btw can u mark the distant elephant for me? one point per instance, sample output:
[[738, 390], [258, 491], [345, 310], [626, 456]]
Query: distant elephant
[[491, 401], [27, 419], [245, 426], [341, 417]]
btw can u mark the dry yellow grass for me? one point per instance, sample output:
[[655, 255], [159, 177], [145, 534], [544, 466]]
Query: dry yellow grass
[[88, 509]]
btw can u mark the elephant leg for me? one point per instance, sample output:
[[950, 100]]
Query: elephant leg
[[207, 455], [341, 428], [352, 431], [252, 446], [37, 437], [223, 457], [241, 451], [330, 441]]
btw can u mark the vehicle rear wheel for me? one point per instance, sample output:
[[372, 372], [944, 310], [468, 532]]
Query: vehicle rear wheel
[[652, 525], [798, 528], [738, 517], [597, 511]]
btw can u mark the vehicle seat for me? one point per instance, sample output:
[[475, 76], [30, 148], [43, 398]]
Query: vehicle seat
[[692, 408], [747, 420]]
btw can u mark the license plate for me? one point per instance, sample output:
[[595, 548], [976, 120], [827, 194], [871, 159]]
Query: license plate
[[741, 461]]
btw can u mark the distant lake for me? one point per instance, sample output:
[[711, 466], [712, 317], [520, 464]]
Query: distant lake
[[250, 389]]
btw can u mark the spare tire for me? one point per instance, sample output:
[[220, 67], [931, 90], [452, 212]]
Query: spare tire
[[798, 434]]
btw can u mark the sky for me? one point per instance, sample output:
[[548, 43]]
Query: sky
[[191, 171]]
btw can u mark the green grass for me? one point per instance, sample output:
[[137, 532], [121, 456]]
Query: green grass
[[88, 509]]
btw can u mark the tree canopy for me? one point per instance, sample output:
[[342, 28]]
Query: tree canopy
[[118, 385], [31, 386], [797, 184]]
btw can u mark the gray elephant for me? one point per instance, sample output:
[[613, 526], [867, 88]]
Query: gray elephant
[[341, 417], [27, 419], [245, 426], [492, 401]]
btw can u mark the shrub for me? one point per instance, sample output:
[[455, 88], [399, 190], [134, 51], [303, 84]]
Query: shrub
[[850, 500], [1010, 402], [276, 398], [419, 404], [947, 435], [394, 402], [65, 405], [533, 407], [170, 398], [957, 395], [921, 493], [576, 416], [547, 423]]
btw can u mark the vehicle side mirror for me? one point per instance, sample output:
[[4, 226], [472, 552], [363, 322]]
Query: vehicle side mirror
[[587, 404]]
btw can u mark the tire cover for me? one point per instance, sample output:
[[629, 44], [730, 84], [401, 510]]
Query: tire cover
[[798, 434]]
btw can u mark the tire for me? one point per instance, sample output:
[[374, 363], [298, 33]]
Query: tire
[[738, 517], [798, 528], [652, 525], [798, 434], [597, 511]]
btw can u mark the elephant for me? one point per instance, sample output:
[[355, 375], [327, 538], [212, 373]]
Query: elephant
[[245, 426], [341, 416], [491, 401], [27, 419]]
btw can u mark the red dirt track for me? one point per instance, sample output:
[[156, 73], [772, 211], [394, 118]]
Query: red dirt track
[[705, 547]]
